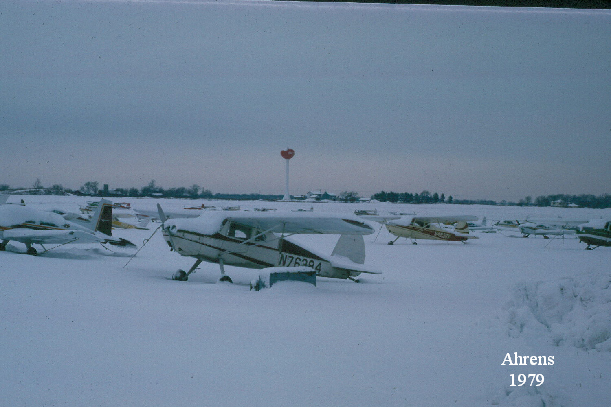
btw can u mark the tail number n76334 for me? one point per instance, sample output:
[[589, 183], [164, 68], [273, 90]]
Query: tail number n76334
[[292, 260]]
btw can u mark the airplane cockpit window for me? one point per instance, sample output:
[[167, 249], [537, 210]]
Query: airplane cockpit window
[[239, 231]]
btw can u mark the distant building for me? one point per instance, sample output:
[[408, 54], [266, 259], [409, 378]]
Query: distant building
[[316, 195], [557, 203]]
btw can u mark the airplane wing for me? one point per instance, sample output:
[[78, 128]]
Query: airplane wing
[[382, 219], [550, 222], [173, 215], [26, 235], [289, 223], [447, 218], [295, 223]]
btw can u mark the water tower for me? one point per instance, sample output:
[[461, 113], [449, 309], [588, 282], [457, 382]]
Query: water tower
[[287, 155]]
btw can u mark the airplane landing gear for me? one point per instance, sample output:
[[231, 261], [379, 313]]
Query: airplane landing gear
[[31, 250], [181, 275], [224, 277], [393, 242]]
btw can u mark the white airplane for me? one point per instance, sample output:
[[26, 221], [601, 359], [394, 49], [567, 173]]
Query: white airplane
[[30, 226], [481, 226], [530, 228], [550, 226], [260, 241], [566, 224], [431, 228], [508, 224]]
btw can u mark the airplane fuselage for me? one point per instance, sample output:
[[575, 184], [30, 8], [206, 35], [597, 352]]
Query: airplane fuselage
[[264, 251], [416, 232]]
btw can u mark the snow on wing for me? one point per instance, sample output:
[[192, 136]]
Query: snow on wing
[[305, 223], [211, 223]]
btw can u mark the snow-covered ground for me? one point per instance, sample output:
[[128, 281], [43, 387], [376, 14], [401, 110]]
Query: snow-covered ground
[[78, 327]]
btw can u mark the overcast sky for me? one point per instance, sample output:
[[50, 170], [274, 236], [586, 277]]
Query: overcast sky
[[476, 103]]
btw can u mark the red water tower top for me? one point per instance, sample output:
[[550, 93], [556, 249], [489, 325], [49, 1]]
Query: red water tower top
[[287, 154]]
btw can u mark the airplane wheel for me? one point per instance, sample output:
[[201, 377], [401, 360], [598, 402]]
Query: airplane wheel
[[390, 243], [2, 247], [226, 278], [31, 251], [180, 275]]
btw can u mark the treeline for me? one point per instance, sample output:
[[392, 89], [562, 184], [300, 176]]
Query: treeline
[[425, 197], [92, 188], [565, 200], [555, 200], [575, 4]]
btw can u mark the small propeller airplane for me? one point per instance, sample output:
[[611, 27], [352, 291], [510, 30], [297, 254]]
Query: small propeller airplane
[[31, 226], [424, 228], [261, 241], [546, 231]]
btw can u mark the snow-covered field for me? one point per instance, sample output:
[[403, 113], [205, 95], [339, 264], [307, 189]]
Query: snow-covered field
[[79, 328]]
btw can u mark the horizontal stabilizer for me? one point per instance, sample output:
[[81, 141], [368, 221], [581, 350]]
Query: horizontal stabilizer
[[341, 262]]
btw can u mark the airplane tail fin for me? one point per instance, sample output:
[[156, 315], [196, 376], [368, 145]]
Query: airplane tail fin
[[351, 247], [102, 219]]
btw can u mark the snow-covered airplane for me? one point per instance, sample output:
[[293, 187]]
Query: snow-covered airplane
[[125, 217], [261, 241], [31, 226], [595, 233], [431, 227]]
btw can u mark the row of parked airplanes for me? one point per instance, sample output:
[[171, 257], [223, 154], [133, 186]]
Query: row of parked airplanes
[[262, 239]]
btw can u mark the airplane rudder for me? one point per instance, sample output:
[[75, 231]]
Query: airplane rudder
[[105, 220], [351, 247]]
